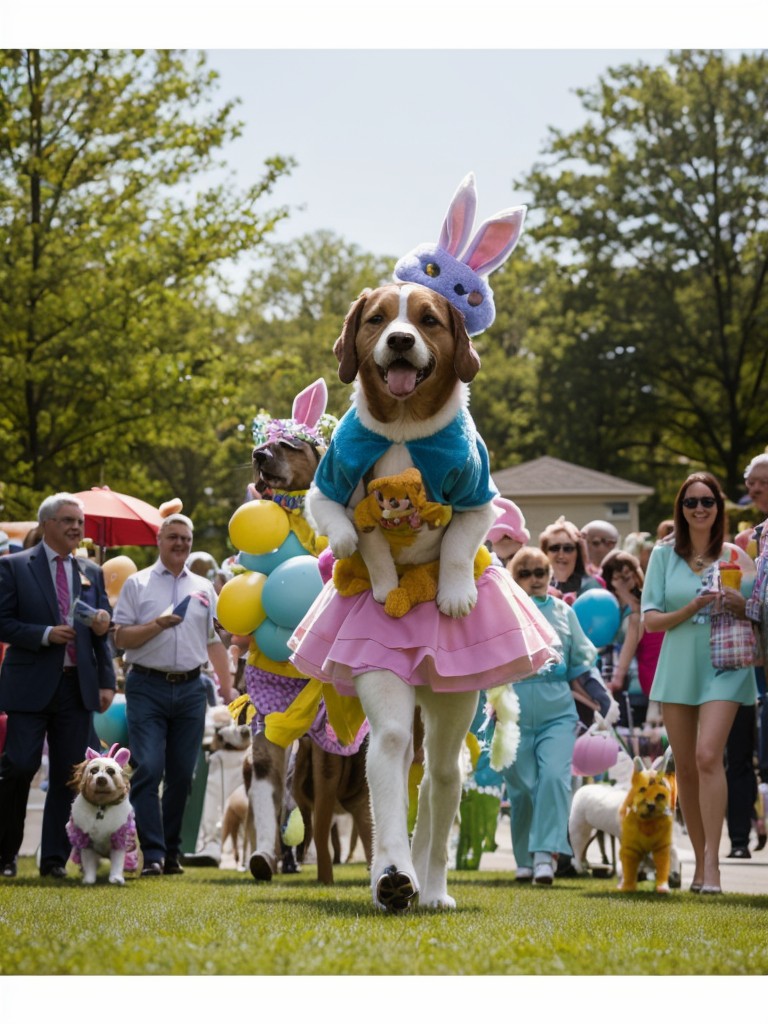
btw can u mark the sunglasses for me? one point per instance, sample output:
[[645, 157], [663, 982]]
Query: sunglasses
[[567, 549], [524, 574], [693, 502]]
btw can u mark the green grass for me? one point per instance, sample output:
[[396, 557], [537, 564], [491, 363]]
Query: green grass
[[211, 922]]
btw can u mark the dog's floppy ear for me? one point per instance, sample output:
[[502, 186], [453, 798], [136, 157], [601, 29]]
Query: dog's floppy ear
[[345, 347], [466, 361], [76, 779]]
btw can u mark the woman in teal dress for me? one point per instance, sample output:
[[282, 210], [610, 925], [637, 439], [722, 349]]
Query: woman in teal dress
[[699, 702]]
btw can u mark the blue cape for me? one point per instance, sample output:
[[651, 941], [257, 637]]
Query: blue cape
[[453, 462]]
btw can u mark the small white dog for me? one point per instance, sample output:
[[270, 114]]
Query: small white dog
[[102, 822]]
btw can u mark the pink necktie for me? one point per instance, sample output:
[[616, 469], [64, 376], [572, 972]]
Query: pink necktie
[[62, 593]]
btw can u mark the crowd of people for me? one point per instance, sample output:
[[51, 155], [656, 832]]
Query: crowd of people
[[57, 672]]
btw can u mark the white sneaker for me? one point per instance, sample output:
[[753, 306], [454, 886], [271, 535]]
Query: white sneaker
[[543, 874], [523, 874]]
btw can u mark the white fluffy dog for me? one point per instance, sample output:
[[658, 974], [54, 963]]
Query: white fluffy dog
[[102, 823]]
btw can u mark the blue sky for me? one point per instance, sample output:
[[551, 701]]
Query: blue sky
[[383, 138]]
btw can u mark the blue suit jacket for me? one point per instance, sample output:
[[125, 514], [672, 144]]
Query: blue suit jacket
[[31, 672]]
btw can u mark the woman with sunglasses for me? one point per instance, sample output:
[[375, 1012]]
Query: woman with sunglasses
[[699, 703], [566, 550], [539, 781]]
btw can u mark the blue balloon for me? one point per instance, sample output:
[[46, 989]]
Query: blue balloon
[[599, 615], [272, 640], [290, 548], [290, 590], [111, 726]]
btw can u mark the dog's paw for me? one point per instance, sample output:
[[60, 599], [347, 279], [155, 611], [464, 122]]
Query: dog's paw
[[89, 881], [342, 540], [395, 891], [441, 902], [663, 888], [116, 880], [456, 598], [381, 588]]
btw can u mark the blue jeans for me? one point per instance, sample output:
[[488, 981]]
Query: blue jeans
[[165, 733]]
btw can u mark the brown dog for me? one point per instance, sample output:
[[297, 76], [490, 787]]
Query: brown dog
[[408, 352], [326, 784]]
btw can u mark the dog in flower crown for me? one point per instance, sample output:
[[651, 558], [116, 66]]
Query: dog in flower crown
[[282, 705]]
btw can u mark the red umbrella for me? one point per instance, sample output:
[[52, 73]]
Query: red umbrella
[[113, 519]]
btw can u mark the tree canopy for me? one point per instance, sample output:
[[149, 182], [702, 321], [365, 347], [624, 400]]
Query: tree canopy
[[654, 352], [108, 262]]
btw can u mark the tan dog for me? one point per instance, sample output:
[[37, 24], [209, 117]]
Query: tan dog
[[647, 819], [411, 357], [237, 823], [101, 822]]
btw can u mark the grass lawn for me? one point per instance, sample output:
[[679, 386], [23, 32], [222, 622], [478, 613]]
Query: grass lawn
[[212, 922]]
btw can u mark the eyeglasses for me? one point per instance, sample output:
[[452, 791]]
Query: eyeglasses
[[69, 521], [567, 549], [524, 574], [174, 537], [694, 502], [601, 542]]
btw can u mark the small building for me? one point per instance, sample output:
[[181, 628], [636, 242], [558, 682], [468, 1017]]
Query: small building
[[546, 488]]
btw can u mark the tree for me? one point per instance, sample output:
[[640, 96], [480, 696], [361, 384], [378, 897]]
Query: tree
[[655, 210], [109, 259]]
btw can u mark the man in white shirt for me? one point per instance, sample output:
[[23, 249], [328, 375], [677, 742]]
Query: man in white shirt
[[165, 626]]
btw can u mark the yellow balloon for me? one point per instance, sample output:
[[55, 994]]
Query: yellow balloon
[[258, 527], [239, 608], [116, 572]]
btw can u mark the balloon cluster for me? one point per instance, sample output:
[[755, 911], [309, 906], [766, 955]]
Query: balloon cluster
[[279, 581]]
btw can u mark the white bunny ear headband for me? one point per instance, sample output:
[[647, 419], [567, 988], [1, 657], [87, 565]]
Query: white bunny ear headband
[[457, 264]]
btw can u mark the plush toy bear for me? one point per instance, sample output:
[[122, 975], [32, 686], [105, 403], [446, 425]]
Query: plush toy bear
[[398, 505]]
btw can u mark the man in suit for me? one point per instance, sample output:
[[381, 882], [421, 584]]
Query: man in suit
[[56, 672]]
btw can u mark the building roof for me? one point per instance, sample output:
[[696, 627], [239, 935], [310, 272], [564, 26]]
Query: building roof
[[549, 477]]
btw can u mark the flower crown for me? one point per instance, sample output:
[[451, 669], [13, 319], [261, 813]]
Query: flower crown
[[266, 429]]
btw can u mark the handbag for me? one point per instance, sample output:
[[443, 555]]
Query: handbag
[[732, 641]]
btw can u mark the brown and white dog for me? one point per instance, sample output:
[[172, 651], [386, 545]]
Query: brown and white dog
[[408, 351], [101, 822]]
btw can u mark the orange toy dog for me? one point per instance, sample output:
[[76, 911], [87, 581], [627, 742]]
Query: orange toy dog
[[647, 817]]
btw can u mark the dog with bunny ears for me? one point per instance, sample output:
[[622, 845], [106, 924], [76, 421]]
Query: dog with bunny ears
[[406, 346], [102, 822]]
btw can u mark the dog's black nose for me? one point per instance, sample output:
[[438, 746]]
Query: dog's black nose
[[261, 455], [400, 342]]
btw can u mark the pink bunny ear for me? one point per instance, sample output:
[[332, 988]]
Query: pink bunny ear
[[460, 217], [309, 405], [123, 756], [91, 753], [495, 240], [112, 750]]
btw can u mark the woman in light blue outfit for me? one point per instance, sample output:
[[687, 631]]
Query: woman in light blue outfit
[[699, 702], [539, 781]]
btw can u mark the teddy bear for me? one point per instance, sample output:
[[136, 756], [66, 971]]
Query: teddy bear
[[398, 505]]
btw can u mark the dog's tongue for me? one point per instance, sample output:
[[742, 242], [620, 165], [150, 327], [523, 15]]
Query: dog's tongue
[[401, 379]]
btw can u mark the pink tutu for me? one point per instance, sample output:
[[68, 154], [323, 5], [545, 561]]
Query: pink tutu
[[503, 638]]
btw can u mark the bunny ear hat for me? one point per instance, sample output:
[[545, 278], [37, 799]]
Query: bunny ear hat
[[309, 420], [458, 264]]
